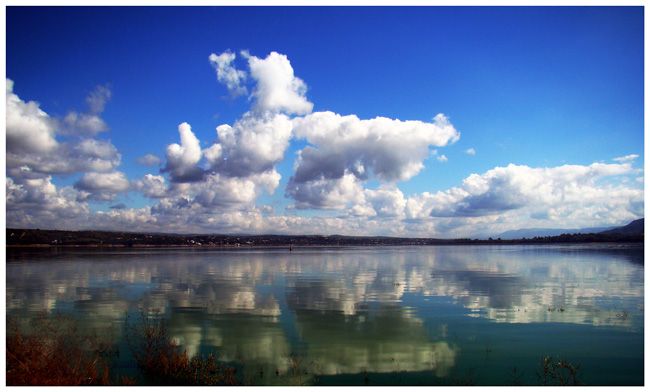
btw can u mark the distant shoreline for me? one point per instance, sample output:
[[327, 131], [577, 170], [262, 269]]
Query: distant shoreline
[[35, 238], [298, 247]]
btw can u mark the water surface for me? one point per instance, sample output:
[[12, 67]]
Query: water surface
[[360, 315]]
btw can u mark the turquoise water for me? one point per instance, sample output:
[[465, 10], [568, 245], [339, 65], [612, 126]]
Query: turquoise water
[[447, 315]]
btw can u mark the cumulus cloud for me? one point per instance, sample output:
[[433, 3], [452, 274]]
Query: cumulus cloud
[[500, 199], [218, 192], [139, 219], [29, 129], [227, 73], [37, 203], [470, 151], [247, 151], [254, 144], [344, 151], [85, 124], [182, 159], [149, 160], [277, 89], [33, 150], [222, 191], [94, 148], [67, 158], [151, 186], [442, 158], [515, 186], [90, 123], [387, 149], [228, 174], [215, 189], [213, 154], [387, 201], [327, 193], [205, 205], [626, 158], [348, 194], [34, 155], [518, 196], [102, 186]]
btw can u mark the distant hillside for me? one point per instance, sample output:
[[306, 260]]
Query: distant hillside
[[537, 232], [633, 228]]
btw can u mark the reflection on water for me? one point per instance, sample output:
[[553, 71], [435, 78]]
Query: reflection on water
[[388, 339], [351, 310]]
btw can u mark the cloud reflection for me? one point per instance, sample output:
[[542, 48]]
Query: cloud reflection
[[347, 311]]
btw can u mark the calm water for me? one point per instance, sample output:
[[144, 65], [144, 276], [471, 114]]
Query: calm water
[[389, 315]]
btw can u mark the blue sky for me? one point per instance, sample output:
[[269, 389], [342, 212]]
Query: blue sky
[[537, 88]]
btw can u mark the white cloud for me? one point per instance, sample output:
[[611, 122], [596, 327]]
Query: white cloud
[[227, 73], [213, 154], [500, 199], [237, 167], [277, 89], [66, 158], [151, 186], [328, 193], [96, 149], [387, 201], [98, 98], [34, 152], [29, 129], [102, 186], [518, 196], [215, 189], [626, 158], [88, 124], [149, 160], [216, 194], [37, 203], [348, 195], [390, 150], [442, 158], [219, 191], [182, 159], [83, 124], [138, 219], [254, 144]]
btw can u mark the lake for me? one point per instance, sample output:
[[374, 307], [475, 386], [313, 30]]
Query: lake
[[445, 315]]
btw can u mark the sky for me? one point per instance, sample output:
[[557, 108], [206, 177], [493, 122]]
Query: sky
[[404, 121]]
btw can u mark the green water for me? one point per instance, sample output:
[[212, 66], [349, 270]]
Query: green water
[[449, 315]]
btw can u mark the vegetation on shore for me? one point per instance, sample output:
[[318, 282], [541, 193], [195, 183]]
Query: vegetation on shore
[[52, 351], [55, 351], [163, 362]]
